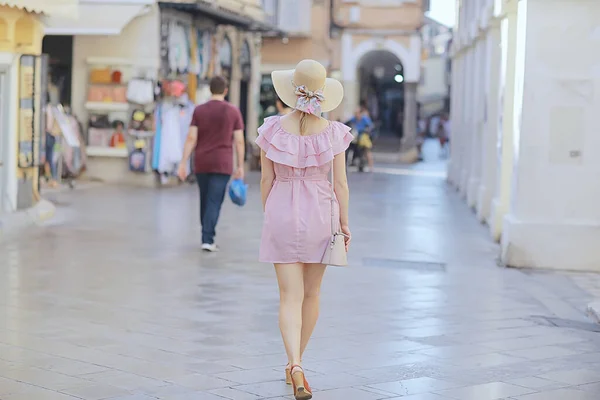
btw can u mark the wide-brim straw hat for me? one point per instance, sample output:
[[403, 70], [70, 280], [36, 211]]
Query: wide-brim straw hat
[[313, 75]]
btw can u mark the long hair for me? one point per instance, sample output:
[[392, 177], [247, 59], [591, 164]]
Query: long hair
[[303, 122]]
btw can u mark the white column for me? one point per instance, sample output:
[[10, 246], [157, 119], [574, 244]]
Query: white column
[[554, 219], [467, 115], [500, 203], [454, 162], [409, 152], [490, 133], [477, 122], [458, 99]]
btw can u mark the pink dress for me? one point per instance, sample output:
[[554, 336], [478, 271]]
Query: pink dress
[[297, 221]]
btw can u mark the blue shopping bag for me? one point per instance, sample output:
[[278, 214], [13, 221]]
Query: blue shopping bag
[[238, 191]]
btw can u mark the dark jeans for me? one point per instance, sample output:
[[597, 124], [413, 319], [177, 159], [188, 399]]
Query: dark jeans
[[355, 153], [50, 143], [212, 193]]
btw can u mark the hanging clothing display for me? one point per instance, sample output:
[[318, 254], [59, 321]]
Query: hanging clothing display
[[157, 138], [170, 140], [204, 53], [173, 121], [185, 120], [179, 48]]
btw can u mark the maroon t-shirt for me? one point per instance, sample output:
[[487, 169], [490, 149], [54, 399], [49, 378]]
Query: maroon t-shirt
[[216, 120]]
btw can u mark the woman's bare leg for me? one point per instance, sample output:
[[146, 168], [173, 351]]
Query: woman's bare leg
[[313, 276], [291, 293]]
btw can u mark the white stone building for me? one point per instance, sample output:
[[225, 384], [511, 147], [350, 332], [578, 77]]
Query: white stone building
[[525, 132], [434, 87]]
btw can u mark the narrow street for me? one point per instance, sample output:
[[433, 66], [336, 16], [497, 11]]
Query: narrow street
[[113, 299]]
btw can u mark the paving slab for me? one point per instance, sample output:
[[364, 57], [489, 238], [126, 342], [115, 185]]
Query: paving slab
[[113, 299]]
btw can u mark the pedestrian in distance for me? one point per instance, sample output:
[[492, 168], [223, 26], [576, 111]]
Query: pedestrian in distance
[[305, 214], [217, 128]]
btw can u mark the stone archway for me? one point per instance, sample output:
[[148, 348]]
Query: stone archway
[[410, 58], [380, 77], [408, 52]]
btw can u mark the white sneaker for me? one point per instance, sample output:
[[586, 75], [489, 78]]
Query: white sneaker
[[212, 248]]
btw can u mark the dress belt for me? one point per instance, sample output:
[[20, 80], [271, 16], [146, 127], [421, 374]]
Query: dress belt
[[319, 177]]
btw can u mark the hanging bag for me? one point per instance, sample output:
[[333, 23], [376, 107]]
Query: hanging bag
[[335, 253], [238, 192], [140, 91]]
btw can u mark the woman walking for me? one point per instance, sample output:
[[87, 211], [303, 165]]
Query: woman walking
[[303, 216]]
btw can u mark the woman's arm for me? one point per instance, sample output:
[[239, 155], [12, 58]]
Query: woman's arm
[[342, 191], [266, 178]]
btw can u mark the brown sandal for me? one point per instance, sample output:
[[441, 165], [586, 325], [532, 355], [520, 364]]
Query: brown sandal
[[288, 374], [302, 390]]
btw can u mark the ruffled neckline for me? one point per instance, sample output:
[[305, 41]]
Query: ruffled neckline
[[298, 151], [324, 131]]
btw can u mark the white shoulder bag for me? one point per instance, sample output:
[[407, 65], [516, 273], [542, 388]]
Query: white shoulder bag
[[335, 254]]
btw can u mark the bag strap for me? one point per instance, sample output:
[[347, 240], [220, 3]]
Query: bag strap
[[333, 230]]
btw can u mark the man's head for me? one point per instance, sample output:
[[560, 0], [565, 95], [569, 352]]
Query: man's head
[[218, 86]]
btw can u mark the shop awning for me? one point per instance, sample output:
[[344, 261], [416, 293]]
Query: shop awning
[[251, 20], [98, 17], [65, 8]]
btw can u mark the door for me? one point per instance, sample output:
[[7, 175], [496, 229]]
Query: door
[[4, 97]]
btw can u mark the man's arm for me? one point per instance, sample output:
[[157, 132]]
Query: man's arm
[[240, 151], [239, 144], [188, 148], [190, 144]]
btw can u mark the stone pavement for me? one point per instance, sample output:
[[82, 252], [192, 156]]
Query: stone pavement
[[113, 300]]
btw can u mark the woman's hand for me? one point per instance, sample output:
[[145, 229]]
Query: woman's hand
[[348, 237]]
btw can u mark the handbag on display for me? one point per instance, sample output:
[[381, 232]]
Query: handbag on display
[[98, 93], [119, 94], [116, 76], [99, 137], [101, 75], [137, 158], [100, 121], [335, 253], [139, 120], [140, 91]]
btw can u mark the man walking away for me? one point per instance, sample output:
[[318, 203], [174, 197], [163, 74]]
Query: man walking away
[[216, 127]]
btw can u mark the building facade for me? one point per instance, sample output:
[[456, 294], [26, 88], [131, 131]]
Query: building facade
[[372, 46], [525, 137], [21, 97], [433, 93], [187, 41]]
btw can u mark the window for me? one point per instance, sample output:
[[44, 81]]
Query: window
[[271, 8], [294, 16]]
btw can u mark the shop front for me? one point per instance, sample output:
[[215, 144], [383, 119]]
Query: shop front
[[135, 81], [22, 98]]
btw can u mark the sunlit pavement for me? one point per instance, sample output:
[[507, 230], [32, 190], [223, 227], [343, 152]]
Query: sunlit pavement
[[114, 300]]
